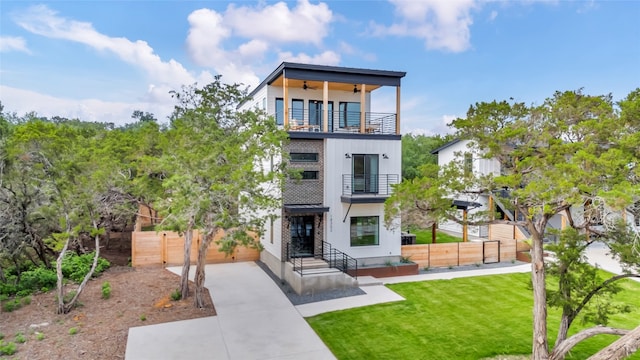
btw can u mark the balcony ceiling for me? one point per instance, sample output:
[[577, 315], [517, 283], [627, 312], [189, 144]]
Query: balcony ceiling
[[317, 85]]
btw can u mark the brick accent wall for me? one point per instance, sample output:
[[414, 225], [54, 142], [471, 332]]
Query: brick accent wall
[[298, 192]]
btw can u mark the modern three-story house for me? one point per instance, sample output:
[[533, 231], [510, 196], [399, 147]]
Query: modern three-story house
[[348, 158]]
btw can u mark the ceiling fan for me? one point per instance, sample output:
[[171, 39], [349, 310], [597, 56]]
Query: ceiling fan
[[305, 86]]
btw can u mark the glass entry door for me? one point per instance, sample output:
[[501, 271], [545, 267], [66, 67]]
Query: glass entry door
[[316, 113], [302, 236]]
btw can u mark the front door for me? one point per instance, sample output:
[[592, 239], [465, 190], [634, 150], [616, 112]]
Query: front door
[[302, 236]]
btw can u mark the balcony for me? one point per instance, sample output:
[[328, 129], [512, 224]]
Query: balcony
[[340, 122], [367, 188]]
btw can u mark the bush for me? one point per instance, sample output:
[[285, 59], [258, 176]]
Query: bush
[[20, 338], [76, 267], [7, 348], [36, 279], [39, 336], [11, 305], [106, 290], [26, 300], [73, 331], [176, 295]]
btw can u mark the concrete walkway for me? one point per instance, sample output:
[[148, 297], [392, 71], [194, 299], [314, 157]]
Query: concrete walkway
[[254, 320]]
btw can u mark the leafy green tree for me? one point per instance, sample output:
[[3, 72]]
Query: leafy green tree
[[416, 152], [220, 172], [564, 157]]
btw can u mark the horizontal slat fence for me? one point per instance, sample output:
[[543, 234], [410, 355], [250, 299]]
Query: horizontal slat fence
[[167, 248], [458, 254]]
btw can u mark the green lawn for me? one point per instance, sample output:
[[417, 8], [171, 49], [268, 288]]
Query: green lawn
[[467, 318], [423, 236]]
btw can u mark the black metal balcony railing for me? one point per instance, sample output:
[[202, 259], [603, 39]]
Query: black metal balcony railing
[[372, 184], [339, 122]]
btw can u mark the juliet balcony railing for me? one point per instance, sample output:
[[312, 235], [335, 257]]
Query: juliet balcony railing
[[339, 122], [370, 184]]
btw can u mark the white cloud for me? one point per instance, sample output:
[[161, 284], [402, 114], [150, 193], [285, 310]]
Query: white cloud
[[262, 27], [443, 25], [324, 58], [13, 43], [43, 21], [23, 101], [305, 23], [493, 15]]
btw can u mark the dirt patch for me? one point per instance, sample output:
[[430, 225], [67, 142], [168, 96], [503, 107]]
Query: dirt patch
[[138, 297]]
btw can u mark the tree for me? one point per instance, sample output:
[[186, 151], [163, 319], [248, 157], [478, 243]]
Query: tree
[[220, 173], [416, 152], [562, 158]]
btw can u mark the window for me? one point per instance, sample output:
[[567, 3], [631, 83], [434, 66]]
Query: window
[[297, 110], [316, 112], [309, 175], [349, 114], [264, 104], [468, 164], [364, 231], [304, 157], [279, 111], [365, 173]]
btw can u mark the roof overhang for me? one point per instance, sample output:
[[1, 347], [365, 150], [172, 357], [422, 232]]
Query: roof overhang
[[465, 205], [305, 209]]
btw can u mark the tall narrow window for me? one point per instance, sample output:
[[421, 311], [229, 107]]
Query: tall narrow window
[[349, 114], [316, 112], [365, 173], [468, 164], [364, 231], [279, 111], [297, 110]]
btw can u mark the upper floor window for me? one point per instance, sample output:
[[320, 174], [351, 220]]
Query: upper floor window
[[468, 163], [279, 111], [365, 173], [304, 157], [349, 114]]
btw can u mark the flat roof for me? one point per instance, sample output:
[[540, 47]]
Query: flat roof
[[332, 73]]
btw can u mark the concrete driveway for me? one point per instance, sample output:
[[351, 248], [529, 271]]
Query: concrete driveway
[[254, 320]]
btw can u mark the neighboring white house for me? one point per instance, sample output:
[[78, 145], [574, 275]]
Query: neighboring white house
[[348, 156], [473, 161]]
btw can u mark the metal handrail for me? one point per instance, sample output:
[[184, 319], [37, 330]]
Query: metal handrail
[[335, 258], [339, 260], [340, 121], [379, 184]]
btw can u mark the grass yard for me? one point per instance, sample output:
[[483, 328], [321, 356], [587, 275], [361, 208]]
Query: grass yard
[[423, 236], [468, 318]]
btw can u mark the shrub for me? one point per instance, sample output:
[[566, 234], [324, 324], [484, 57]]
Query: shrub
[[73, 331], [176, 295], [1, 336], [106, 290], [23, 293], [20, 338], [76, 267], [26, 300], [11, 305], [39, 336], [36, 279], [7, 348], [143, 317]]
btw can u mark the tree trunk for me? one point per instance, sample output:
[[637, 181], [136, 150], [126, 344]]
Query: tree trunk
[[199, 278], [562, 349], [68, 306], [540, 349], [621, 348], [59, 285], [184, 278]]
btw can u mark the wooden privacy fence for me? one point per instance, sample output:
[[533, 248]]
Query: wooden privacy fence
[[167, 248], [462, 253]]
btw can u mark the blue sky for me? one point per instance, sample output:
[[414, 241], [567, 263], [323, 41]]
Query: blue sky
[[100, 60]]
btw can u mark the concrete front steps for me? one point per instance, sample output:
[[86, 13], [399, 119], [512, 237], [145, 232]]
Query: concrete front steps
[[316, 275]]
